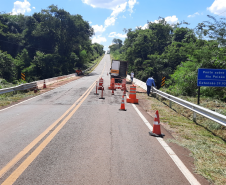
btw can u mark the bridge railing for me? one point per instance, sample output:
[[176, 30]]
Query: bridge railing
[[212, 115], [32, 85]]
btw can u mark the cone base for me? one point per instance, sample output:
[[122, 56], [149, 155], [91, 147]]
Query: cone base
[[96, 93], [156, 135], [122, 109], [101, 98], [129, 100], [110, 88]]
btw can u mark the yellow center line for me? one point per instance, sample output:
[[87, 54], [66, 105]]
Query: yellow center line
[[13, 177], [42, 135], [35, 141]]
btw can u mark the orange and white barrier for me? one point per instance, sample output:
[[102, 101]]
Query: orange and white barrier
[[96, 89], [132, 95], [102, 93], [44, 85], [101, 81], [156, 126], [112, 85]]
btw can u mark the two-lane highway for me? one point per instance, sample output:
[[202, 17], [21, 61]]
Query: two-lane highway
[[70, 136]]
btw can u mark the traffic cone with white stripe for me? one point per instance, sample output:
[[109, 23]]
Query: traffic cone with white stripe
[[44, 85], [156, 126], [122, 104]]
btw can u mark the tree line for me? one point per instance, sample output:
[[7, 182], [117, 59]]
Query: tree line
[[49, 43], [175, 52]]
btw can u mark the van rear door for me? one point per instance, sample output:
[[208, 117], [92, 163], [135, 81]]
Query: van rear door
[[115, 67]]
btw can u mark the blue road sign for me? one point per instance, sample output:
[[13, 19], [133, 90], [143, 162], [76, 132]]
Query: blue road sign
[[211, 77]]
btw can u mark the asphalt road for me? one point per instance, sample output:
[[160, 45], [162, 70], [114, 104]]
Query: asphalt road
[[93, 143]]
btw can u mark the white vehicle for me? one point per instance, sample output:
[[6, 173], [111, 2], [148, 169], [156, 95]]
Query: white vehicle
[[118, 70]]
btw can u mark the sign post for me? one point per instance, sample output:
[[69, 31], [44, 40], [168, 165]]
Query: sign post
[[211, 78]]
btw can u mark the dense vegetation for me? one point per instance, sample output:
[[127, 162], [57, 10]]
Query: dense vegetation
[[175, 52], [46, 44]]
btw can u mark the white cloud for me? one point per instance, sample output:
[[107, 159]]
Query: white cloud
[[109, 21], [98, 29], [218, 7], [117, 6], [98, 39], [107, 4], [172, 19], [118, 9], [114, 34], [124, 16], [21, 7], [33, 7], [131, 5], [143, 27], [197, 13]]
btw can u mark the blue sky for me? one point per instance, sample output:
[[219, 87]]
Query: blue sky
[[110, 17]]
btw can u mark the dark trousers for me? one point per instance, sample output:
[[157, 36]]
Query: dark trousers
[[148, 89], [131, 79]]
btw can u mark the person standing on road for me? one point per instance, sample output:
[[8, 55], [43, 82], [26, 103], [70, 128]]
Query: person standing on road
[[131, 76], [149, 83]]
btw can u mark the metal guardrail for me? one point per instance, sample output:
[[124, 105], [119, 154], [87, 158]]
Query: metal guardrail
[[38, 83], [89, 68], [219, 118], [34, 84]]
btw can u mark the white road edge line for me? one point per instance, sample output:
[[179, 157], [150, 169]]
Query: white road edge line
[[36, 96], [188, 175]]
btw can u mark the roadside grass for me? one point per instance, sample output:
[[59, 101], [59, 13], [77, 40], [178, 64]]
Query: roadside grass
[[5, 84], [97, 61], [13, 97], [205, 139], [209, 103]]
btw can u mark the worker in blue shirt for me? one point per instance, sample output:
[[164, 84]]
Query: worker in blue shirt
[[149, 83]]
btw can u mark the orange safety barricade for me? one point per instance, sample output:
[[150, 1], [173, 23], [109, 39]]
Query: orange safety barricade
[[132, 95]]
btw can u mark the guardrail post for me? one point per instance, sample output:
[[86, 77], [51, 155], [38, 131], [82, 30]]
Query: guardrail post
[[194, 116], [170, 104]]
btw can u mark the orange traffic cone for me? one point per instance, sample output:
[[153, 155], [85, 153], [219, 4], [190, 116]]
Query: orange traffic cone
[[156, 126], [122, 104], [44, 85]]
